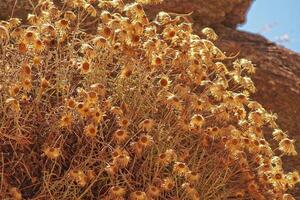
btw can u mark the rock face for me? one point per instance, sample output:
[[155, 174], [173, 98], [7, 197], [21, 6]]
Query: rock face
[[14, 8], [277, 79], [208, 12], [278, 69]]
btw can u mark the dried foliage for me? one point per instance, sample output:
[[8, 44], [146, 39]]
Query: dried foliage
[[139, 110]]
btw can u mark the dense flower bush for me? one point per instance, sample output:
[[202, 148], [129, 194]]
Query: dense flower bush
[[139, 109]]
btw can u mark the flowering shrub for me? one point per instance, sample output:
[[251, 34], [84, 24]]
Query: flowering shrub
[[139, 110]]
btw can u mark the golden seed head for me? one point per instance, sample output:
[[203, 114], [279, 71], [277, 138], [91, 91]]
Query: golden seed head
[[157, 60], [164, 81], [138, 195], [145, 140], [63, 24], [85, 67], [90, 130], [44, 83], [26, 84], [92, 96], [66, 120], [15, 193], [197, 120], [126, 72], [29, 37], [180, 168], [120, 135], [168, 184], [117, 191], [4, 33], [52, 152], [153, 191], [69, 15], [14, 90], [146, 125], [287, 147]]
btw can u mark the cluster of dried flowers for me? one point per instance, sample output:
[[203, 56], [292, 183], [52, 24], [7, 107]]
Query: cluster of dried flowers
[[139, 110]]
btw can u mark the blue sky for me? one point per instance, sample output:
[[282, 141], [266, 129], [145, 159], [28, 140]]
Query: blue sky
[[277, 20]]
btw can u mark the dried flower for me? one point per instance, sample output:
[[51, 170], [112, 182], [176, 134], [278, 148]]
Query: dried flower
[[180, 168], [4, 34], [153, 191], [85, 67], [197, 121], [146, 125], [138, 195], [66, 120], [44, 83], [14, 104], [90, 130], [192, 177], [52, 153], [145, 141], [287, 147], [168, 184], [15, 193], [117, 191], [120, 136], [210, 33], [278, 135], [288, 197]]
